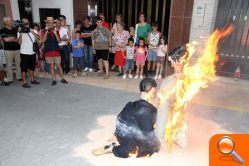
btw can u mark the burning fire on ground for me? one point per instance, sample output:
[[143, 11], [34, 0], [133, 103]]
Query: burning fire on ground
[[196, 76]]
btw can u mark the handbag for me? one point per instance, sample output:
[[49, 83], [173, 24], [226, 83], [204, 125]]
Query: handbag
[[35, 45], [105, 39]]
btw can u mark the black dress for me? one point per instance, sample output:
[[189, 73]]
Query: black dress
[[135, 130]]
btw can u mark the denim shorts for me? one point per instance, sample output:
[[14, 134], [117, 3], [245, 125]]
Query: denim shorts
[[129, 64], [152, 55]]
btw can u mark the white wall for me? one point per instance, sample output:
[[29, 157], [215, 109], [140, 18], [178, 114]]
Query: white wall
[[203, 25], [15, 9], [65, 6]]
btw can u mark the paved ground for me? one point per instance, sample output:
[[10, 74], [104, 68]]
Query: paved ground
[[48, 126]]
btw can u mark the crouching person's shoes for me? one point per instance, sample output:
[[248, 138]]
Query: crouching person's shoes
[[104, 150], [64, 81]]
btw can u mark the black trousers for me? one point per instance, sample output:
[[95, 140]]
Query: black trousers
[[65, 58], [127, 146]]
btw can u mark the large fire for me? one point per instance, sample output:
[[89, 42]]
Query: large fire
[[195, 77]]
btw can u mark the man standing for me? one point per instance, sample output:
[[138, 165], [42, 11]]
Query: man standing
[[64, 49], [26, 38], [50, 37], [86, 33], [102, 43], [11, 48], [135, 126]]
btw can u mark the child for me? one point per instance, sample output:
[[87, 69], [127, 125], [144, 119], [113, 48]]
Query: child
[[78, 55], [153, 41], [130, 51], [162, 50], [140, 57]]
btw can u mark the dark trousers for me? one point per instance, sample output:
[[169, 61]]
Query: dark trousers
[[65, 58], [78, 63]]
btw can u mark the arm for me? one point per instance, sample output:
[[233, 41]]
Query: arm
[[10, 39], [44, 36], [37, 37], [57, 35], [19, 40]]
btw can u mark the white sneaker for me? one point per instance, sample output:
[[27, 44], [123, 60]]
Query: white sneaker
[[86, 69], [130, 76], [124, 76], [160, 76], [141, 77], [90, 69], [155, 77], [136, 77]]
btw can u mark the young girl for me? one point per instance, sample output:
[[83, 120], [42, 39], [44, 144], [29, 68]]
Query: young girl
[[140, 57], [162, 50]]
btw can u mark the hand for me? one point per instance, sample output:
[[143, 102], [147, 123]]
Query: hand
[[47, 28], [94, 51], [55, 31], [110, 49]]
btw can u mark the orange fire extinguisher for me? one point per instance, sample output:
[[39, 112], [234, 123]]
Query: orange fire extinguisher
[[237, 73]]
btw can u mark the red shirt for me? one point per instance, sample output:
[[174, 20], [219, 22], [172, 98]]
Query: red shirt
[[106, 24], [51, 53]]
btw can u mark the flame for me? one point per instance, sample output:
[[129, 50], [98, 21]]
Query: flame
[[135, 153], [194, 78]]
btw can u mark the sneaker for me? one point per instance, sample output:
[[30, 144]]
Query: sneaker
[[90, 70], [53, 83], [34, 82], [136, 77], [124, 76], [26, 85], [104, 150], [64, 81], [160, 76], [155, 77], [86, 69], [107, 76], [141, 77], [130, 76], [19, 79]]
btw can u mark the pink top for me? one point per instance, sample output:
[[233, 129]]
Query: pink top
[[140, 55], [121, 39]]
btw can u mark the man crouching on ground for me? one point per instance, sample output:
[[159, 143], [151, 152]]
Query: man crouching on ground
[[135, 126]]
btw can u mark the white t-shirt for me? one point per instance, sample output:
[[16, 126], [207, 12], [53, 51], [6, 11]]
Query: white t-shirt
[[161, 51], [154, 38], [27, 44], [63, 31], [130, 52]]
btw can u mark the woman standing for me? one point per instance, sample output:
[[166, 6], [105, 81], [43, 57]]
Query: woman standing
[[120, 39], [142, 29], [118, 19]]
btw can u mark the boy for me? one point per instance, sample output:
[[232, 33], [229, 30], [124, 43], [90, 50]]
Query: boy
[[153, 41], [78, 55], [130, 51]]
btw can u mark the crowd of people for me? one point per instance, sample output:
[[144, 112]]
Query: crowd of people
[[90, 42]]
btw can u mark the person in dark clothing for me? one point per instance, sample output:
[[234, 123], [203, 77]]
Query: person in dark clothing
[[135, 126]]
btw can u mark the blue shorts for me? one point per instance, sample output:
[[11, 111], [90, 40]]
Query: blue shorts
[[152, 55], [129, 64]]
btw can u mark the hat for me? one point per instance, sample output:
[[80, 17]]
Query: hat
[[49, 19]]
